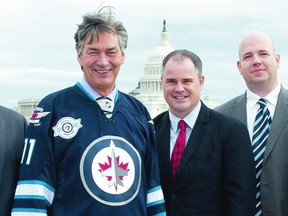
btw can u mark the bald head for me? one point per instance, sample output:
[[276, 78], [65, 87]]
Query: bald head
[[254, 38], [258, 63]]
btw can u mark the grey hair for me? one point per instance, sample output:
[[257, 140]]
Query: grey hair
[[101, 21], [180, 55]]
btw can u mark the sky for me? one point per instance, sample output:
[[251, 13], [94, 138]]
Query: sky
[[37, 54]]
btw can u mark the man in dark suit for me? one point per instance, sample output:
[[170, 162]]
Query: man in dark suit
[[215, 175], [258, 63], [12, 130]]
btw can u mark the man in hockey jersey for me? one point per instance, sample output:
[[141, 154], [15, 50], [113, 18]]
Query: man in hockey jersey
[[90, 149]]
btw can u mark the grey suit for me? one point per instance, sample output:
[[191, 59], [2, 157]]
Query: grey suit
[[12, 131], [274, 179]]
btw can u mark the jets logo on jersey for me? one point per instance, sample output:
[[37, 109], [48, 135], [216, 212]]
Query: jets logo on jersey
[[67, 127], [110, 170]]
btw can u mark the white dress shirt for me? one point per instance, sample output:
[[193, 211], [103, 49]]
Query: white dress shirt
[[252, 106], [190, 120]]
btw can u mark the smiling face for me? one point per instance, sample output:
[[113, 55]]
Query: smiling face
[[258, 63], [181, 86], [101, 61]]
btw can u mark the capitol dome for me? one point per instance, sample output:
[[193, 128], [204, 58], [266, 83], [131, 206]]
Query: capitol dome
[[153, 68], [159, 52], [149, 90]]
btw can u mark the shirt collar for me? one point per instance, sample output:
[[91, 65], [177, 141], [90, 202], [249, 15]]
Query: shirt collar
[[94, 94], [190, 119], [271, 98]]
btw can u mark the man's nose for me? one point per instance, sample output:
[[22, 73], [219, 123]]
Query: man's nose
[[102, 59], [257, 59], [179, 87]]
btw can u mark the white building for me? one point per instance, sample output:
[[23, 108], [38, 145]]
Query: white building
[[149, 89]]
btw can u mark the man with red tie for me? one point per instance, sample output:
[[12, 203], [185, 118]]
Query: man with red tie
[[205, 158]]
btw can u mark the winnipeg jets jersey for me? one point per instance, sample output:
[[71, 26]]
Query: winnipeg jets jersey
[[78, 162]]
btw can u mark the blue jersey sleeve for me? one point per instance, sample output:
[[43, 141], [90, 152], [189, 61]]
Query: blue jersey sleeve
[[36, 186], [155, 197]]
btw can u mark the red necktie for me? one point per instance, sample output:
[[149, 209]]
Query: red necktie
[[179, 147]]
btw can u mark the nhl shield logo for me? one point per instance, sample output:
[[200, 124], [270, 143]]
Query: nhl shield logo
[[110, 170]]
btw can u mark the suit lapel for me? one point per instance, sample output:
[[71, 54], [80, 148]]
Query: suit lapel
[[278, 121], [238, 109]]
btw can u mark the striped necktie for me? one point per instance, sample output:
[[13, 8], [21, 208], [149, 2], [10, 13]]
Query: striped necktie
[[179, 147], [259, 139]]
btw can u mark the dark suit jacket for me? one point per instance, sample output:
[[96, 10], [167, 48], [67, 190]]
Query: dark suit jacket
[[274, 178], [216, 174], [12, 130]]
